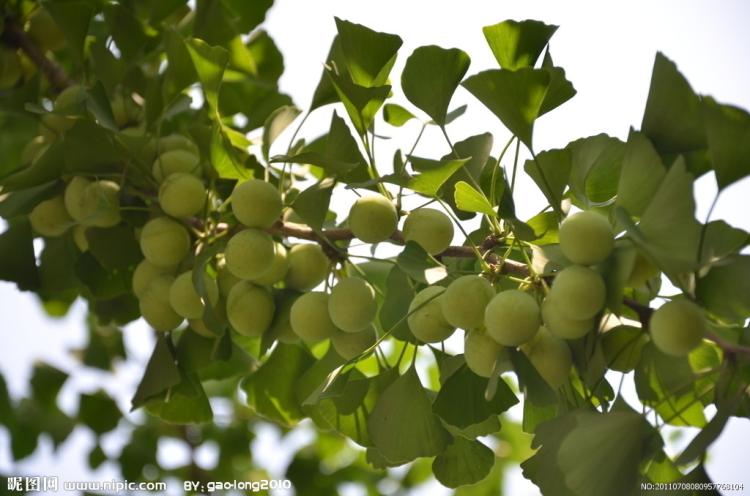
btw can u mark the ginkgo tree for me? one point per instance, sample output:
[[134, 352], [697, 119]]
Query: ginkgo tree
[[185, 212]]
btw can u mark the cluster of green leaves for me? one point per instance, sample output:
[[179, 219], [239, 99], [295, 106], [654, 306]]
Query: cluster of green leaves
[[163, 53]]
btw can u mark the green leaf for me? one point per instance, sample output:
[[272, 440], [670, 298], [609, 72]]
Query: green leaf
[[470, 200], [543, 468], [642, 173], [622, 347], [48, 167], [276, 123], [396, 115], [312, 203], [673, 118], [46, 382], [361, 102], [185, 403], [560, 90], [325, 93], [126, 30], [517, 44], [99, 412], [209, 62], [419, 265], [271, 389], [161, 374], [368, 55], [725, 290], [515, 97], [461, 401], [722, 240], [551, 172], [398, 295], [214, 320], [73, 18], [114, 247], [431, 76], [103, 284], [477, 149], [728, 134], [402, 425], [463, 462], [18, 263], [180, 72], [433, 174], [224, 157], [89, 148], [535, 388], [22, 202], [700, 443], [596, 164]]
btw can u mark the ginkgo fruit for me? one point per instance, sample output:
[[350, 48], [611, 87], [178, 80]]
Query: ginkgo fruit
[[512, 317], [560, 325], [50, 218], [308, 266], [164, 242], [155, 307], [678, 327], [352, 304], [144, 273], [182, 195], [310, 319], [200, 328], [373, 218], [250, 309], [175, 161], [93, 203], [465, 299], [256, 203], [483, 354], [429, 228], [224, 277], [277, 270], [426, 320], [68, 100], [352, 344], [586, 238], [185, 299], [176, 142], [550, 356], [249, 254], [80, 239], [578, 292]]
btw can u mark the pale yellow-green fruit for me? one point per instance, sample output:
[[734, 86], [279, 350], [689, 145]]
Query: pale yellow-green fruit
[[164, 242], [373, 218], [10, 68], [349, 345], [225, 278], [75, 198], [578, 292], [79, 238], [250, 309], [256, 203], [155, 307], [249, 254], [352, 304], [560, 325], [426, 320], [70, 97], [49, 217], [550, 356], [44, 30], [177, 142], [465, 299], [123, 109], [430, 228], [481, 353], [678, 327], [200, 328], [184, 297], [93, 203], [308, 266], [282, 326], [66, 102], [144, 273], [309, 317], [182, 195], [175, 161], [34, 149], [277, 269], [512, 317], [586, 238]]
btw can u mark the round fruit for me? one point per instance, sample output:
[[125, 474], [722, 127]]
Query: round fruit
[[309, 317], [249, 254], [465, 300], [308, 266], [123, 110], [277, 270], [373, 218], [512, 317], [430, 228], [426, 319], [256, 203], [144, 273], [164, 242], [49, 217], [351, 344], [550, 356], [75, 196], [175, 161], [586, 238], [155, 307], [482, 353], [225, 278], [200, 328], [177, 142], [10, 68], [184, 297], [352, 304], [79, 238], [282, 327], [94, 203], [678, 327], [182, 195], [250, 309], [560, 325], [578, 292], [70, 97], [44, 30]]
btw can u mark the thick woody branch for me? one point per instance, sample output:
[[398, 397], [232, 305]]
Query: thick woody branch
[[14, 36]]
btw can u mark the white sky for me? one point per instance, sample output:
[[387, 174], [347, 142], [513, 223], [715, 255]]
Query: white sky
[[607, 50]]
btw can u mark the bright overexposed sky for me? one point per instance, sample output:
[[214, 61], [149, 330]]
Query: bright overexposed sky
[[607, 50]]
